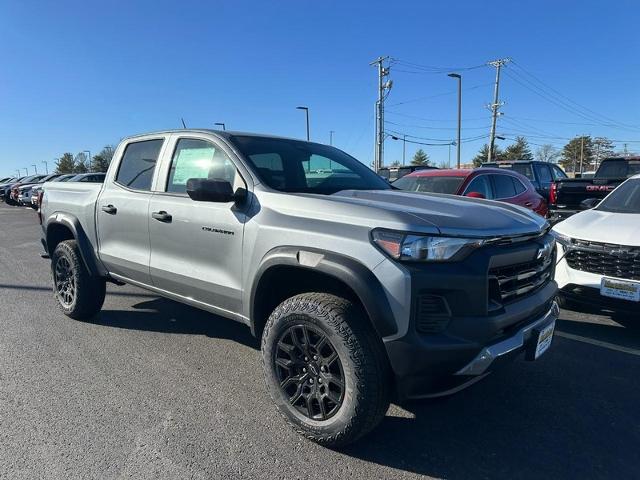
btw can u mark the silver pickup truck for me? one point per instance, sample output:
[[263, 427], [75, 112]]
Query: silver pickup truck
[[360, 293]]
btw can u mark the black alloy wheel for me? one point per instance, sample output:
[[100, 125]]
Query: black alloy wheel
[[65, 283], [309, 371]]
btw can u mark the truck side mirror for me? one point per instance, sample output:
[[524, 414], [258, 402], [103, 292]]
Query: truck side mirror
[[205, 190]]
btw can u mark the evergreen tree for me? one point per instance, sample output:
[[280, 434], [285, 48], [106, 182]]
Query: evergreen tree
[[395, 164], [65, 164], [420, 158], [571, 152], [519, 150], [483, 155], [100, 162]]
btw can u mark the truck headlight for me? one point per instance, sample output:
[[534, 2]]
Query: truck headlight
[[423, 248]]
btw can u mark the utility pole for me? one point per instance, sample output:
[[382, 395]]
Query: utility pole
[[581, 153], [495, 106], [626, 152], [331, 132], [459, 77], [383, 91], [404, 148]]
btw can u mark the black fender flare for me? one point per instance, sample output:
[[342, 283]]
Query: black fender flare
[[348, 270], [84, 244]]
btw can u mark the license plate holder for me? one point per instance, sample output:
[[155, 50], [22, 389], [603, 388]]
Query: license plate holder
[[540, 341], [621, 289]]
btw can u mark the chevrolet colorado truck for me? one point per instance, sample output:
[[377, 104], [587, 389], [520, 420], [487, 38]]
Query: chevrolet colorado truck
[[360, 293], [572, 195]]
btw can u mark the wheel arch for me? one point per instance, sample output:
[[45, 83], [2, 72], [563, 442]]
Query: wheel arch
[[61, 227], [287, 271]]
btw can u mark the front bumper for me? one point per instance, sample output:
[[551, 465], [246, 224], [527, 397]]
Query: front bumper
[[432, 354], [517, 342]]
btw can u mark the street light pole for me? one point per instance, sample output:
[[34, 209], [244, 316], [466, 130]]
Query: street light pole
[[224, 127], [27, 171], [35, 168], [306, 109], [46, 167], [331, 132], [404, 148], [459, 77]]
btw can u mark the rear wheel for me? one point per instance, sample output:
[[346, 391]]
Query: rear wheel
[[79, 294], [325, 368]]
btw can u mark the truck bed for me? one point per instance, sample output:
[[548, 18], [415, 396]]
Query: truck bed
[[75, 198]]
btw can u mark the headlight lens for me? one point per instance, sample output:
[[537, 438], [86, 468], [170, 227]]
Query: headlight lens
[[423, 248], [563, 240]]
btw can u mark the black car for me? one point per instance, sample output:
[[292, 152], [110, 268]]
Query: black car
[[541, 174]]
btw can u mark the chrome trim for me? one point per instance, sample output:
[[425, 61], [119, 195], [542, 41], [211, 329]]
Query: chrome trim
[[487, 355]]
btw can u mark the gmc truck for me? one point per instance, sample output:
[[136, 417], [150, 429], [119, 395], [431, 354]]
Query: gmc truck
[[360, 293], [571, 195]]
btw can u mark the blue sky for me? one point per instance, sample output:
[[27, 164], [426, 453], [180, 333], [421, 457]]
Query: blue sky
[[79, 75]]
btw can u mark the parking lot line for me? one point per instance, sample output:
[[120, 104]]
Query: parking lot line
[[599, 343]]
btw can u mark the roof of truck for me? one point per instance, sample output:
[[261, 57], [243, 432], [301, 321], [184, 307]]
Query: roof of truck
[[220, 133]]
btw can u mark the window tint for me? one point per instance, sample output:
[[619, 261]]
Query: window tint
[[138, 163], [519, 186], [296, 166], [544, 175], [429, 184], [504, 187], [523, 169], [195, 158], [558, 174], [480, 184]]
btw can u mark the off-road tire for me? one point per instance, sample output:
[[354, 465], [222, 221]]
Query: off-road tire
[[88, 291], [364, 363]]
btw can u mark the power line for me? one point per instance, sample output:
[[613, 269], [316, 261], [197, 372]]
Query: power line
[[443, 94], [434, 128], [582, 107], [433, 119], [447, 140]]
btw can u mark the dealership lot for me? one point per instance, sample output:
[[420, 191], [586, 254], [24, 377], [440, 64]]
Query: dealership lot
[[155, 389]]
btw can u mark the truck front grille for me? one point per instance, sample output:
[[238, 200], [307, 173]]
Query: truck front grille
[[514, 281], [605, 259]]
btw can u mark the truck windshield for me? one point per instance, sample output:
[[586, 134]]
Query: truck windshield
[[304, 167], [437, 184], [624, 199]]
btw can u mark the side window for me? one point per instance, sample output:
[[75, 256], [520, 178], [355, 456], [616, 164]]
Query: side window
[[194, 158], [138, 163], [504, 186], [480, 184], [519, 186], [544, 175], [270, 167], [557, 173]]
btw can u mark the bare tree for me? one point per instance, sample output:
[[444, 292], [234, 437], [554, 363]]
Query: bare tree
[[547, 153]]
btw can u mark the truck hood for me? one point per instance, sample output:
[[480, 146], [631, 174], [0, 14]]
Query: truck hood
[[450, 214], [603, 227]]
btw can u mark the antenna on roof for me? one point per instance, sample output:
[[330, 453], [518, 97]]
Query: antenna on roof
[[183, 124]]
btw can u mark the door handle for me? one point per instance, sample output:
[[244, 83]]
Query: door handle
[[110, 209], [528, 204], [162, 216]]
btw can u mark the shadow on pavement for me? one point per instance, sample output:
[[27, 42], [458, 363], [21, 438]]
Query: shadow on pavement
[[164, 315]]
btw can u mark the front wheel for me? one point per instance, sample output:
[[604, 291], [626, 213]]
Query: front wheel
[[79, 294], [325, 368]]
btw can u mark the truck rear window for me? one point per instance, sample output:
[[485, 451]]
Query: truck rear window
[[618, 168]]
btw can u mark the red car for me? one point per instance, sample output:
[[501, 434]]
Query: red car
[[491, 183]]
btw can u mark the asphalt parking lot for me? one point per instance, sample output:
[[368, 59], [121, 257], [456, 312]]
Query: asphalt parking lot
[[155, 389]]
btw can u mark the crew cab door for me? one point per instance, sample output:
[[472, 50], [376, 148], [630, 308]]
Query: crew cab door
[[122, 211], [196, 246]]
